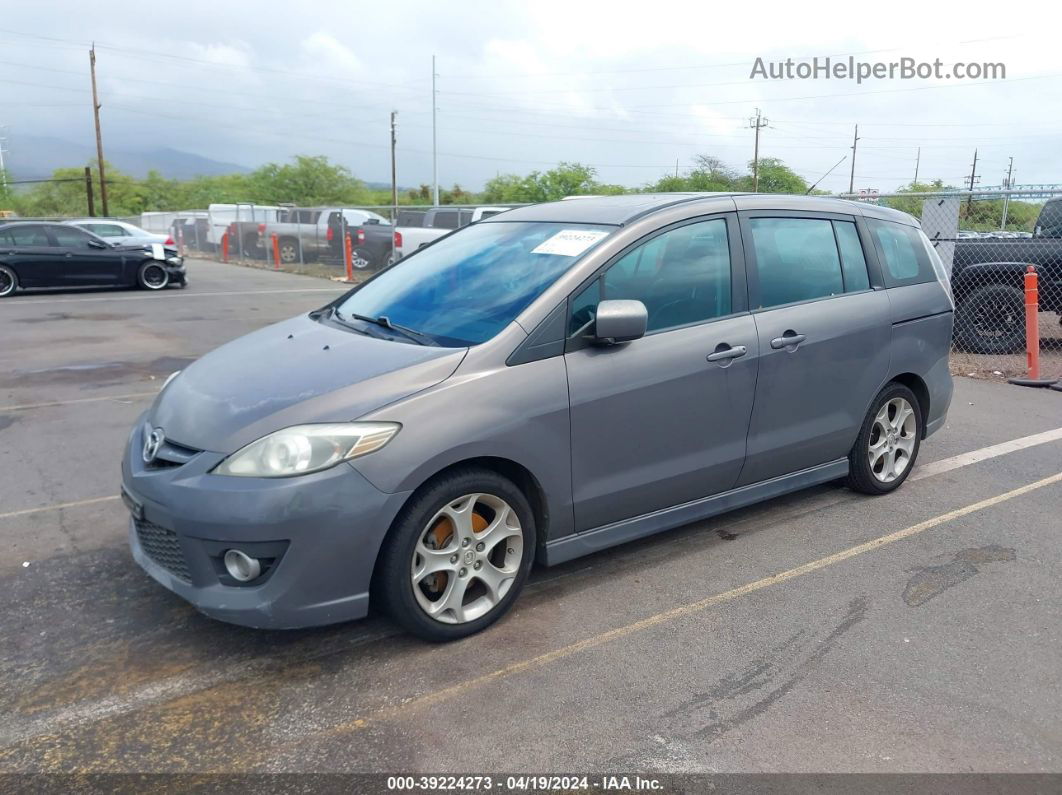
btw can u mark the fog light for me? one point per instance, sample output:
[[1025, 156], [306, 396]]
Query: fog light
[[241, 567]]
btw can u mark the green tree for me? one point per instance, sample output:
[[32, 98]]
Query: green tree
[[307, 181], [567, 179], [774, 177]]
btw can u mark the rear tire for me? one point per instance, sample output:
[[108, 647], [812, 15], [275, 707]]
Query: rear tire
[[885, 451], [8, 281], [481, 566], [289, 250], [362, 259], [991, 320], [153, 276]]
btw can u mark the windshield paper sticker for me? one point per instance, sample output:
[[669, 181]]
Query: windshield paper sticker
[[569, 242]]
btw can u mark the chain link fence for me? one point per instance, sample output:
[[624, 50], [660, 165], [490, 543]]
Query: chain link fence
[[987, 241], [311, 240]]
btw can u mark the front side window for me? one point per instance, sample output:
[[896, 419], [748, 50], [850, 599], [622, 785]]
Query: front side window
[[465, 289], [682, 276], [903, 253], [796, 260], [71, 237]]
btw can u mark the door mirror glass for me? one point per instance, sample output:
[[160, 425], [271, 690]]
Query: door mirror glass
[[620, 321]]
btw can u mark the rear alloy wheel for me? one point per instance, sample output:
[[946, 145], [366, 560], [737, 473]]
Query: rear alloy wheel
[[361, 259], [8, 281], [458, 556], [153, 276], [991, 320], [887, 447], [289, 251]]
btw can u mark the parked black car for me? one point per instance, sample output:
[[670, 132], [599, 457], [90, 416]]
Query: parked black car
[[41, 254], [987, 279]]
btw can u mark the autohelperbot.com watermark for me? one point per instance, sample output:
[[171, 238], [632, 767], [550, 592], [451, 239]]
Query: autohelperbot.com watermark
[[848, 68]]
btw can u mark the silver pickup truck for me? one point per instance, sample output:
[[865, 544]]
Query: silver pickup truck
[[435, 223], [308, 234]]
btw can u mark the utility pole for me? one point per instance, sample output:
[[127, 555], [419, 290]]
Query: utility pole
[[88, 193], [973, 181], [434, 151], [756, 123], [99, 135], [394, 183], [851, 176], [3, 170], [1008, 184], [918, 161], [676, 167]]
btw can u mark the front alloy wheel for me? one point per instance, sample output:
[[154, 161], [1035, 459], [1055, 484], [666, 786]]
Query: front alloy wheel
[[457, 556], [467, 558]]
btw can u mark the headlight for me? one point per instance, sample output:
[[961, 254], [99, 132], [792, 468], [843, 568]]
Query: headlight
[[306, 448]]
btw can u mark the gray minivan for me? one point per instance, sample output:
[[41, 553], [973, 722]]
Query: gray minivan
[[552, 381]]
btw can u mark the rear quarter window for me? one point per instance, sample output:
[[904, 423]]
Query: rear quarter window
[[902, 253]]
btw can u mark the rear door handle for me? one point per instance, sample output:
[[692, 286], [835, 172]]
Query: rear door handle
[[790, 338], [723, 353]]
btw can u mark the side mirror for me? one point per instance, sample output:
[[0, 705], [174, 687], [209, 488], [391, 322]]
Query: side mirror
[[620, 321]]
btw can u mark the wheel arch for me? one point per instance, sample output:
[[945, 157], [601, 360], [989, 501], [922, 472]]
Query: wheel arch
[[519, 474], [917, 385]]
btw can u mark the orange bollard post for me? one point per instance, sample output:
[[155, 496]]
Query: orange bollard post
[[1032, 333], [348, 254], [276, 253], [225, 247], [1032, 323]]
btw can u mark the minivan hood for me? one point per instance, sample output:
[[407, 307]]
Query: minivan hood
[[293, 372]]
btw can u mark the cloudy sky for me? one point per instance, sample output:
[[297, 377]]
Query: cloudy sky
[[630, 87]]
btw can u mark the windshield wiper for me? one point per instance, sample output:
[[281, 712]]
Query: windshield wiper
[[383, 321]]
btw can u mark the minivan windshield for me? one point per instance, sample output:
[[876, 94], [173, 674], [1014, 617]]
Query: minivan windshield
[[467, 287]]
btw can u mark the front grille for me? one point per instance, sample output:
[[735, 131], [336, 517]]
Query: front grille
[[163, 547]]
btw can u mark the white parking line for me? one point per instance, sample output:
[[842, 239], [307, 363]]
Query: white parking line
[[154, 297], [974, 456]]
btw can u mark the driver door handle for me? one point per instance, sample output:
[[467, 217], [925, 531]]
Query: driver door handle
[[788, 339], [722, 354]]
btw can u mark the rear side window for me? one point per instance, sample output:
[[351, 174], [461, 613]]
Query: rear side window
[[796, 260], [106, 230], [853, 263], [903, 253], [27, 236], [446, 219]]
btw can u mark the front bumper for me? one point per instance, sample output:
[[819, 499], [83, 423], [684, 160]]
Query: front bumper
[[319, 533]]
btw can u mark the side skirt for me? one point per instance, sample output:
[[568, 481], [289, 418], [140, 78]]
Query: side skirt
[[579, 544]]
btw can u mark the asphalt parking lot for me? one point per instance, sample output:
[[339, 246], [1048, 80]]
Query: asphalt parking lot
[[824, 631]]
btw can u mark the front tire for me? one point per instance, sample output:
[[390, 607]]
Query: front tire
[[885, 451], [991, 320], [153, 276], [458, 555], [8, 281]]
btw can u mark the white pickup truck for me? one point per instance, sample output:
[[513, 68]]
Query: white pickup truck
[[437, 222]]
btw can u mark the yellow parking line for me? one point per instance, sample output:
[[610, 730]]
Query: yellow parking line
[[520, 666], [26, 406], [57, 507]]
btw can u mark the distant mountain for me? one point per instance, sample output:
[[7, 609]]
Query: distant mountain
[[38, 157]]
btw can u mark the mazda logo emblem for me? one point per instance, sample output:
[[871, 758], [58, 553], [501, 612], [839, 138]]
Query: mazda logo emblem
[[152, 444]]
